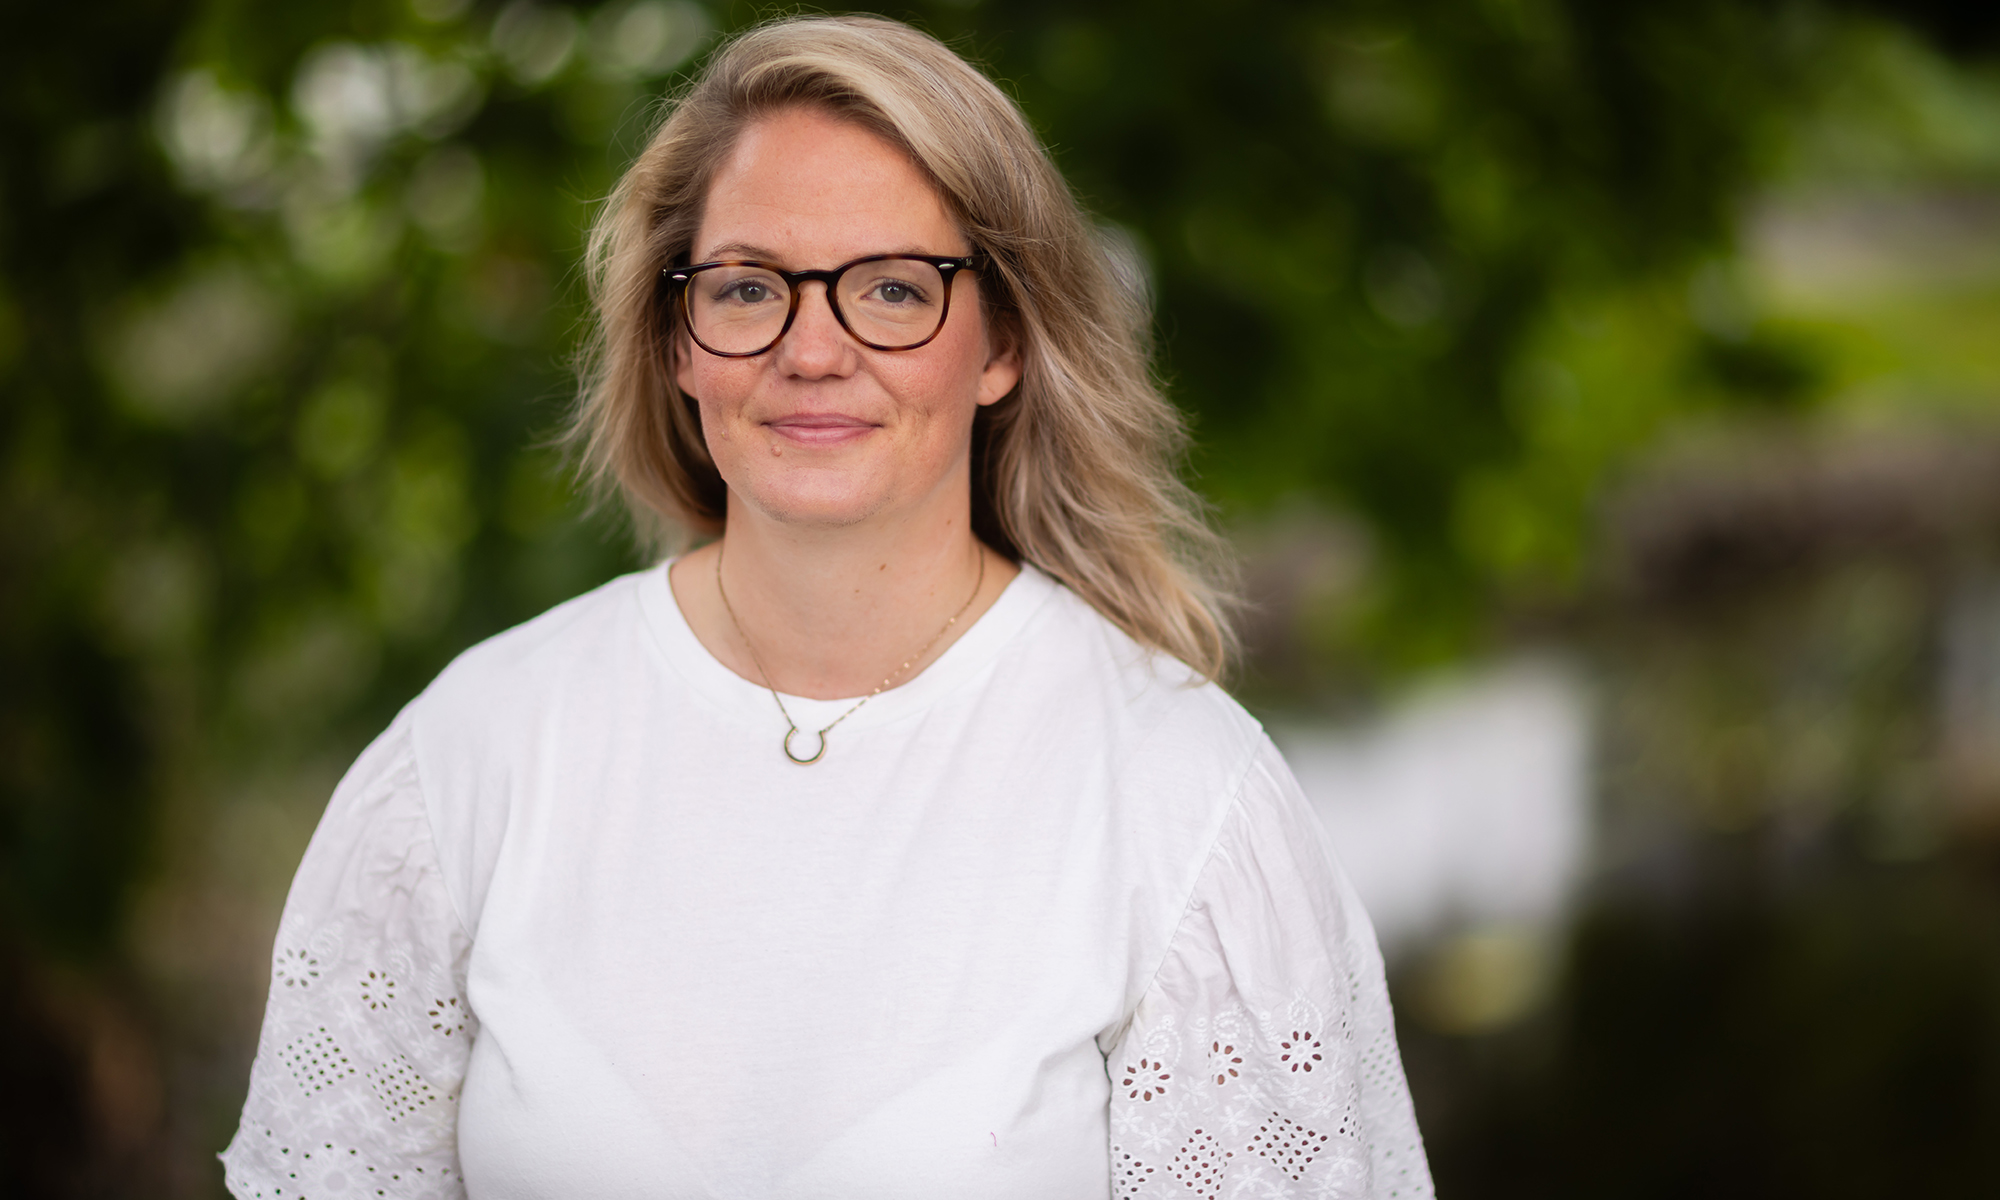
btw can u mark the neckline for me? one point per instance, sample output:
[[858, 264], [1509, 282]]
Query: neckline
[[729, 692]]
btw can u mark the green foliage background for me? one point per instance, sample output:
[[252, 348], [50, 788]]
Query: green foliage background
[[287, 294], [275, 447]]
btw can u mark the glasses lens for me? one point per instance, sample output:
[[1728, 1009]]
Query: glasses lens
[[737, 309], [893, 302]]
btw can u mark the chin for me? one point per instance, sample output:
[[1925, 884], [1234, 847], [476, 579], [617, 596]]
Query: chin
[[832, 503]]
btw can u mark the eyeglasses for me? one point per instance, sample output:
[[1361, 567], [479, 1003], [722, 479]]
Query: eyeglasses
[[886, 301]]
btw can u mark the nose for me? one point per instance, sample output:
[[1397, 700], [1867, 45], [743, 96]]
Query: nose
[[816, 345]]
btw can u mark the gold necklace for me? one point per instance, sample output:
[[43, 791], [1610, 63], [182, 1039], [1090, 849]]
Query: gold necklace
[[793, 726]]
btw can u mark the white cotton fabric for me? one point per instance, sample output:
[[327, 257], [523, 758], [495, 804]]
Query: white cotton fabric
[[1051, 920]]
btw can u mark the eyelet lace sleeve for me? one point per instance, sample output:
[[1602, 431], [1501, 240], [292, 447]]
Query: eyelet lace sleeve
[[354, 1091], [1262, 1059]]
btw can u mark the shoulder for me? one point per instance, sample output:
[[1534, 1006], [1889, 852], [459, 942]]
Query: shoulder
[[502, 688], [487, 716], [572, 638], [1154, 721], [1086, 651]]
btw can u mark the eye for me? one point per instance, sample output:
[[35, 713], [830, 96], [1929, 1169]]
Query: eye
[[745, 291], [896, 292]]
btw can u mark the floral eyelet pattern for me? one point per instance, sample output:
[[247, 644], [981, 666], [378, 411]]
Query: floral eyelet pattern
[[1224, 1063], [377, 990], [1288, 1145], [447, 1016], [402, 1091], [367, 1032], [1128, 1174], [1198, 1164], [1301, 1052], [1147, 1081], [295, 968], [1261, 1103], [315, 1062], [346, 1167]]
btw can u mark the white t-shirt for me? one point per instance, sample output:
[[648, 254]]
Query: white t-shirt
[[1051, 920]]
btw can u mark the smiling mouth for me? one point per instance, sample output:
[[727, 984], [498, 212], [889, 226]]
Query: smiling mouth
[[820, 429]]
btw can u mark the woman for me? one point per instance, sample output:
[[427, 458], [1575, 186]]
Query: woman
[[895, 842]]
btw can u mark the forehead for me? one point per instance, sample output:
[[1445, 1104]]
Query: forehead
[[812, 189]]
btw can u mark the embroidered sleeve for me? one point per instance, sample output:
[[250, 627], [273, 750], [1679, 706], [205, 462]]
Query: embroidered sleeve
[[1262, 1059], [354, 1090]]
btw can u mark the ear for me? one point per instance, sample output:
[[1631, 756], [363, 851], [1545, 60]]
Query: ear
[[1003, 362]]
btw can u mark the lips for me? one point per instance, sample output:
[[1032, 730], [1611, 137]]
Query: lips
[[819, 429]]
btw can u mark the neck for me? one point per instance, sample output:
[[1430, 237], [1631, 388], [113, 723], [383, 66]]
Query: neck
[[831, 613]]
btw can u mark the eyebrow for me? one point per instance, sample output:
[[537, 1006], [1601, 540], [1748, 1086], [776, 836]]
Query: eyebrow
[[735, 250], [739, 250]]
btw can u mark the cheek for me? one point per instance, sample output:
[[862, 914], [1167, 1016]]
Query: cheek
[[930, 390], [947, 383], [718, 387], [694, 372]]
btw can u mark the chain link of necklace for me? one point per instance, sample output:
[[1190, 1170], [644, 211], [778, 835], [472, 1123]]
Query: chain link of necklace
[[793, 726]]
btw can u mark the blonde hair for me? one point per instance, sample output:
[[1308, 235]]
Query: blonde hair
[[1072, 472]]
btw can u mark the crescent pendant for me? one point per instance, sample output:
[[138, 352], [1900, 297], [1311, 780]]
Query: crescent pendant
[[817, 754]]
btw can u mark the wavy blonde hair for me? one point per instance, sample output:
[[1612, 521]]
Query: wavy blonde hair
[[1073, 471]]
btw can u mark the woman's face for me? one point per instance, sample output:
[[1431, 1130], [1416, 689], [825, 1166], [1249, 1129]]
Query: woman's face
[[821, 430]]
